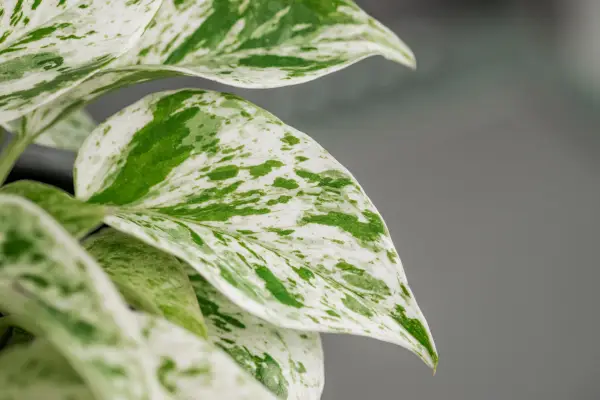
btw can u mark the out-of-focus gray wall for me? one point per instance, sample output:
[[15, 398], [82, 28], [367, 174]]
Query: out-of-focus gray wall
[[485, 164]]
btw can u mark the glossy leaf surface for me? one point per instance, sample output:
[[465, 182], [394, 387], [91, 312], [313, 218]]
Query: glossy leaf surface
[[253, 44], [149, 279], [49, 46], [263, 212]]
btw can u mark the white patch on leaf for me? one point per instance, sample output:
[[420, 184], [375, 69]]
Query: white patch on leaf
[[262, 211]]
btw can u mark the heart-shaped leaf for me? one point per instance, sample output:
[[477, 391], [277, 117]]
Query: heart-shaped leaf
[[263, 212], [149, 279], [48, 47], [51, 286], [254, 44]]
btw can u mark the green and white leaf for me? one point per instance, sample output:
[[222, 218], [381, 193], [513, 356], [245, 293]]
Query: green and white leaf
[[77, 218], [192, 368], [288, 362], [262, 211], [149, 279], [52, 287], [254, 44], [49, 46], [37, 371], [263, 43], [45, 118], [69, 133], [187, 366]]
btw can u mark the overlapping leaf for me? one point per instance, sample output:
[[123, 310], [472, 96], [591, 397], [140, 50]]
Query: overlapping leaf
[[187, 366], [263, 43], [50, 285], [48, 46], [255, 44], [149, 279], [78, 220], [69, 133], [264, 213], [54, 288], [289, 363]]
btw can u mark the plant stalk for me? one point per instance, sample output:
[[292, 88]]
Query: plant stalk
[[10, 155]]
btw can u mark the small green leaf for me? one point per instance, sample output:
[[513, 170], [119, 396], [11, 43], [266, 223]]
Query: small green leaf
[[69, 133], [176, 170], [288, 362], [47, 48], [149, 279], [76, 217]]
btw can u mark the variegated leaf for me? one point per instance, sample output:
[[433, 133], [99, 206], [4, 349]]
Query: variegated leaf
[[254, 44], [288, 362], [49, 46], [51, 286], [192, 368], [263, 43], [149, 279], [77, 218], [69, 133], [47, 117], [187, 366], [263, 212]]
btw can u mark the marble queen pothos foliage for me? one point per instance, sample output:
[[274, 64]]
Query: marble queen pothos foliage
[[233, 238]]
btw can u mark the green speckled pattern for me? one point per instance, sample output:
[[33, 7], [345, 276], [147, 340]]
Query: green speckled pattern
[[77, 218], [51, 286], [263, 43], [192, 368], [288, 362], [263, 212], [188, 367], [149, 279], [49, 46], [245, 43]]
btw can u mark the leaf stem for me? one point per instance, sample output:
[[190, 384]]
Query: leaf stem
[[11, 154]]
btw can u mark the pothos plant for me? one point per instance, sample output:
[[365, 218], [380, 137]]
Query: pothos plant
[[232, 238]]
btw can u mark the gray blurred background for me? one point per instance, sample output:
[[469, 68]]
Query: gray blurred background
[[485, 164]]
